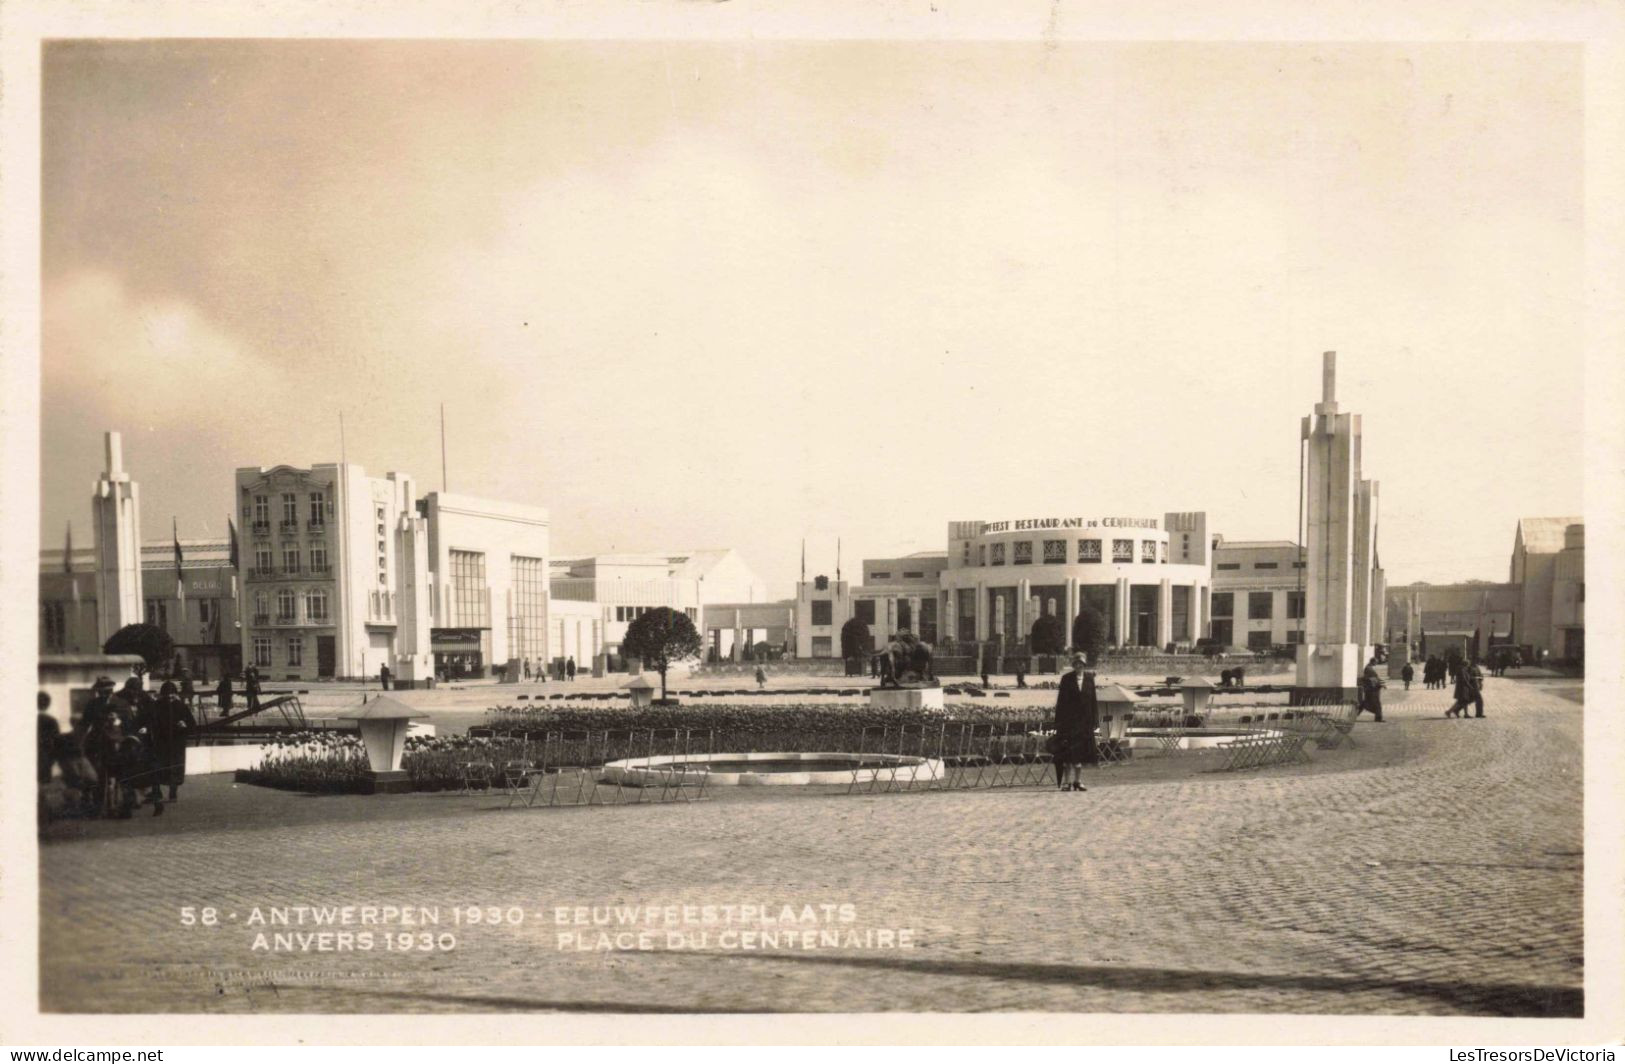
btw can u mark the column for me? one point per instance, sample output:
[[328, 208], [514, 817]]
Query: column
[[1165, 613], [980, 603], [1024, 618], [1120, 607], [1071, 607], [1193, 619]]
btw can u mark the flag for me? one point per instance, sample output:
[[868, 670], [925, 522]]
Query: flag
[[180, 586], [231, 528], [67, 551]]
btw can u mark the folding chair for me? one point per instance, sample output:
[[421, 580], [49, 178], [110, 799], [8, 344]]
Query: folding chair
[[696, 742], [950, 751], [1113, 744], [516, 780], [910, 743], [668, 745], [871, 741], [979, 742], [627, 745], [476, 772]]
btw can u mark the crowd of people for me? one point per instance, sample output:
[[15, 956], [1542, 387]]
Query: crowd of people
[[126, 749]]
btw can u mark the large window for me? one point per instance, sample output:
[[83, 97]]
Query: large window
[[468, 598], [1224, 604], [1054, 551], [290, 508], [316, 605], [998, 554], [158, 612], [262, 609], [1266, 565], [262, 651], [318, 509], [262, 560], [54, 627], [1088, 550], [1260, 606], [1148, 551], [1294, 605], [822, 647], [1222, 633], [290, 559], [1023, 552], [1227, 565], [318, 559], [864, 610], [262, 512], [527, 628], [296, 651], [285, 605], [822, 612], [1122, 550], [1259, 640]]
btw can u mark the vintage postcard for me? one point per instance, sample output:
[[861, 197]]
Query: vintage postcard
[[678, 522]]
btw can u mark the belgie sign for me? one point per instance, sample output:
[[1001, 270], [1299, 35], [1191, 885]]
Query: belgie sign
[[1034, 524]]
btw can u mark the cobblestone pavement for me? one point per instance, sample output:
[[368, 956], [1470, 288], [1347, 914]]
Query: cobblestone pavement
[[1434, 869]]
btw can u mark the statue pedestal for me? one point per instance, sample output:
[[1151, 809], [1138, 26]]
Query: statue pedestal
[[905, 698]]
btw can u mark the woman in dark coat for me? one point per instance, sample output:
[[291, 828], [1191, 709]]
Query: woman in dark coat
[[168, 720], [222, 694], [1077, 715]]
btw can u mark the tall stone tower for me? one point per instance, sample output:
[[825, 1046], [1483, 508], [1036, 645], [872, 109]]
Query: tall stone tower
[[117, 510], [1341, 542]]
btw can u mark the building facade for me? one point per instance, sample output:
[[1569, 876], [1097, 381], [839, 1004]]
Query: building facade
[[345, 574], [1258, 593]]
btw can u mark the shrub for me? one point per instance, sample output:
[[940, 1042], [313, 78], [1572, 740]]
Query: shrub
[[149, 641]]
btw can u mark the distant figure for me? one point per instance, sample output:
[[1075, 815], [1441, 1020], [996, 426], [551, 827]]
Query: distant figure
[[570, 669], [49, 737], [251, 686], [384, 676], [222, 694], [761, 678], [1021, 672], [1371, 691], [1406, 673], [188, 692], [1476, 676], [1077, 715]]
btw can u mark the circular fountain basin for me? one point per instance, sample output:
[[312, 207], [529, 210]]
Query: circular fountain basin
[[775, 769]]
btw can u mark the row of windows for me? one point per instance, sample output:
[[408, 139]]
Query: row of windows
[[1260, 640], [1054, 552], [287, 606], [291, 559], [158, 611], [908, 574], [632, 613], [1260, 605], [318, 509], [293, 651], [1227, 566]]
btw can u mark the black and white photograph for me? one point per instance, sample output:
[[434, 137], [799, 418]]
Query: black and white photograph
[[983, 522]]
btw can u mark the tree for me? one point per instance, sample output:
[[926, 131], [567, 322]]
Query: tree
[[662, 637], [1089, 631], [1047, 635], [149, 641]]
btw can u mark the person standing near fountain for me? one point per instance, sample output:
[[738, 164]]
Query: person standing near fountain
[[1077, 715]]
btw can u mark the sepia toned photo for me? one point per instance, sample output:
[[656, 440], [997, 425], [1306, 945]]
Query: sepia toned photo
[[726, 526]]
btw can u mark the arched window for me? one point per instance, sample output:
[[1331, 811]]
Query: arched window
[[285, 608]]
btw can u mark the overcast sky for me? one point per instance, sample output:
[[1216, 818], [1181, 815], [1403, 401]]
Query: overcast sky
[[697, 295]]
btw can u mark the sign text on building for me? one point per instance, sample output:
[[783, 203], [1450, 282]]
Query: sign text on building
[[1038, 523]]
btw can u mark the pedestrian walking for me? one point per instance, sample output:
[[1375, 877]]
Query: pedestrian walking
[[1021, 672], [1464, 695], [1371, 691], [1077, 715], [1406, 673], [384, 676], [761, 679], [1476, 678]]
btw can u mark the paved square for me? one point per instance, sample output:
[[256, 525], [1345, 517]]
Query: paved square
[[1435, 869]]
